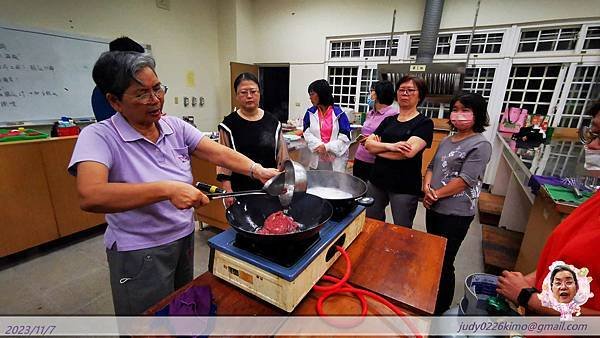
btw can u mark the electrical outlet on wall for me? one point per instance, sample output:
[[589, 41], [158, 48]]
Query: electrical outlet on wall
[[163, 4], [186, 101], [194, 101]]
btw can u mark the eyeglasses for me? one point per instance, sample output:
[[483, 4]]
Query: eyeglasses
[[146, 97], [587, 136], [567, 283], [246, 92], [406, 91]]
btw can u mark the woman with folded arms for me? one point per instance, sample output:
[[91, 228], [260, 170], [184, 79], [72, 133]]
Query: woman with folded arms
[[398, 144]]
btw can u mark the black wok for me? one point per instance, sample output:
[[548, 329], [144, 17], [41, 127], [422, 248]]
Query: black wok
[[248, 214], [342, 190]]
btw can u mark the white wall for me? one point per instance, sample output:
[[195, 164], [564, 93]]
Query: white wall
[[236, 44], [203, 36], [283, 37], [183, 39], [301, 75], [295, 31], [244, 25], [227, 33], [460, 13]]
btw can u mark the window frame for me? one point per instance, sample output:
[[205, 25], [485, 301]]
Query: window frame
[[565, 91], [341, 41], [363, 39], [503, 61], [480, 32], [555, 91], [584, 32], [386, 39], [333, 85], [537, 41]]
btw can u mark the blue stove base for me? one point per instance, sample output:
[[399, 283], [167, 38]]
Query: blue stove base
[[224, 242]]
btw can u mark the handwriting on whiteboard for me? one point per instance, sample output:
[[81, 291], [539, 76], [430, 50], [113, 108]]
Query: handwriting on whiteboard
[[11, 71]]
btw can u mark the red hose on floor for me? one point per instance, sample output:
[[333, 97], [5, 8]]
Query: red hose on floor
[[341, 286]]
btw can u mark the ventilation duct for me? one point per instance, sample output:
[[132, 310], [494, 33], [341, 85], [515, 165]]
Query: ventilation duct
[[429, 31], [443, 80]]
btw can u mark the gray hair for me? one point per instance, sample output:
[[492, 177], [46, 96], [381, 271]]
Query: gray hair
[[114, 71]]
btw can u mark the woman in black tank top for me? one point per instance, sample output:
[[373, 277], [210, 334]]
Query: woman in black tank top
[[252, 132]]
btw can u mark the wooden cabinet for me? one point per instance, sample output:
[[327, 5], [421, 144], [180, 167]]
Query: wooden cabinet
[[214, 213], [441, 130], [63, 188], [544, 217], [428, 154], [39, 198], [27, 217]]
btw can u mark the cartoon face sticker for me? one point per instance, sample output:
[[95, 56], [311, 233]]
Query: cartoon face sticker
[[565, 289], [563, 284]]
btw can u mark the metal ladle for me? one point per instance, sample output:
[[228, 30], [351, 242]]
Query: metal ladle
[[294, 182], [282, 185]]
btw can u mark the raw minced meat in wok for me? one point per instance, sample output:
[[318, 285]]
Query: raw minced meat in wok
[[278, 223]]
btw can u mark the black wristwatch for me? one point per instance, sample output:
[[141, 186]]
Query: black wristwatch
[[223, 177], [524, 296]]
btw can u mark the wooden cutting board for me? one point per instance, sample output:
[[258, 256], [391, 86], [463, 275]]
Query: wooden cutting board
[[401, 264]]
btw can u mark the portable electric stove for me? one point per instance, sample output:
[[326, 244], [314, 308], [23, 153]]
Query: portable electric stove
[[282, 275]]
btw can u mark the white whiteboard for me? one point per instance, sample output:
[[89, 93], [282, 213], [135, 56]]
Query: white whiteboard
[[44, 76]]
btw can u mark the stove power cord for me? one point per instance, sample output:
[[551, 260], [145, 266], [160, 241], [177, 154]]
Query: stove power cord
[[341, 286]]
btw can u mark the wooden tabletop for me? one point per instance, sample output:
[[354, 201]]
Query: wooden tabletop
[[561, 207], [400, 264]]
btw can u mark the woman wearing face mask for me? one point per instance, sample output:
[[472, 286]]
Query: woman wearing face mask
[[574, 241], [453, 182], [382, 98]]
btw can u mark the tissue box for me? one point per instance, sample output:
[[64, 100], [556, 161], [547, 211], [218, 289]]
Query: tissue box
[[67, 131]]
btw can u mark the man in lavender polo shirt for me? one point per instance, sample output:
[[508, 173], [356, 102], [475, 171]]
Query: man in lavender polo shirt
[[382, 94], [135, 167]]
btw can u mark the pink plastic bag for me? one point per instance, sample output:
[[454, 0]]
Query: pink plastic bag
[[512, 120]]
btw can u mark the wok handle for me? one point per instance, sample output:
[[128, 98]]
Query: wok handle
[[234, 194], [209, 188], [365, 201], [215, 192]]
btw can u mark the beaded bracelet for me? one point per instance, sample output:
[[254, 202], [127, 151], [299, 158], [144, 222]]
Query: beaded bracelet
[[252, 169]]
